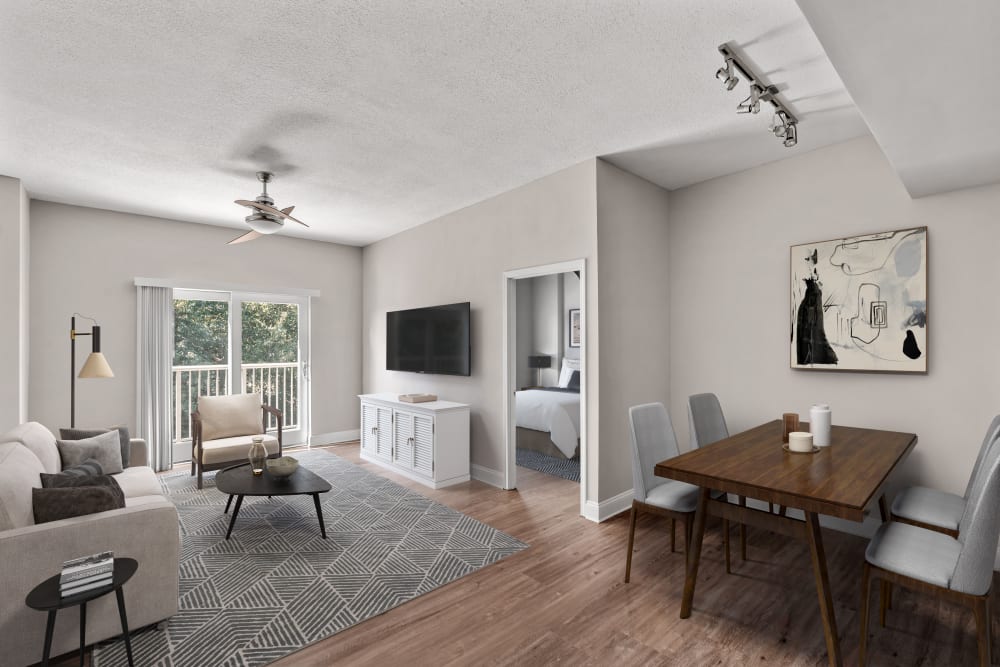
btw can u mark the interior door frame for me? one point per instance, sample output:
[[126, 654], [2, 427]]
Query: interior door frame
[[510, 279]]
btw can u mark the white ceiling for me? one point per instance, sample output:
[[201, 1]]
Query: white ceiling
[[381, 116], [922, 73]]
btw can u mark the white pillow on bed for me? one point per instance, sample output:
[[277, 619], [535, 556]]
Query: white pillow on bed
[[566, 373]]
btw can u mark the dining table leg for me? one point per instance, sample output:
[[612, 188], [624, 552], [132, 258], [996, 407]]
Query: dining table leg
[[694, 551], [815, 539]]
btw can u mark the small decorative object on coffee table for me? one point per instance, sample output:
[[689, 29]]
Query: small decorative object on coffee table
[[47, 596], [239, 481], [282, 467], [257, 455]]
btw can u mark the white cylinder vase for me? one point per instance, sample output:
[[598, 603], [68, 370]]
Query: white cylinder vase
[[819, 424]]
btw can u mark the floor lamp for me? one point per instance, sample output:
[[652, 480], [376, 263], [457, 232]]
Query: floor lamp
[[96, 366]]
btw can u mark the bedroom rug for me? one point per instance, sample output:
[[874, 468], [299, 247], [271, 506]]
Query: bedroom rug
[[550, 465], [277, 586]]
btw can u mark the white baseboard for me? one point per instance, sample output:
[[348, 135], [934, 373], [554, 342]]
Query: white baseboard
[[335, 438], [608, 508], [487, 475]]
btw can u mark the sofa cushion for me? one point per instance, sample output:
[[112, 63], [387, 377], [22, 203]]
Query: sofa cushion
[[234, 449], [82, 433], [105, 448], [39, 440], [20, 471], [136, 482], [68, 502], [227, 416]]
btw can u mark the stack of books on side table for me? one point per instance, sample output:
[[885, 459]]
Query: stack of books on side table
[[84, 574]]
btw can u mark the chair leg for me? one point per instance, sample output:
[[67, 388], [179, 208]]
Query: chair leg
[[687, 534], [865, 604], [631, 540], [982, 610], [673, 535], [199, 477], [743, 532], [192, 466], [725, 544]]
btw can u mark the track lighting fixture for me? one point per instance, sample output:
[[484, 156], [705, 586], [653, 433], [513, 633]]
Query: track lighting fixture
[[728, 73], [784, 124]]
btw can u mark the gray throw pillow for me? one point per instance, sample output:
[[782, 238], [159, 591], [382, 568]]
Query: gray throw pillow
[[62, 481], [88, 468], [104, 448], [81, 433], [64, 503]]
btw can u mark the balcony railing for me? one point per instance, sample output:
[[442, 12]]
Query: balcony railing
[[278, 383]]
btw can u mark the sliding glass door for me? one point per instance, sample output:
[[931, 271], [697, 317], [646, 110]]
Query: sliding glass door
[[232, 342]]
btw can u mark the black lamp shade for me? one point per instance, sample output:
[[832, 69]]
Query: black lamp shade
[[539, 361]]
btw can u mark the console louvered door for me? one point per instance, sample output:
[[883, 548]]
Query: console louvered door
[[403, 427], [423, 444], [369, 422], [384, 430]]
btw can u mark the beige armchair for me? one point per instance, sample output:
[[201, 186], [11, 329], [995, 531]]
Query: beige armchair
[[222, 430]]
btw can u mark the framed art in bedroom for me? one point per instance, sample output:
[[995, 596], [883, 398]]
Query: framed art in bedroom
[[859, 303], [574, 327]]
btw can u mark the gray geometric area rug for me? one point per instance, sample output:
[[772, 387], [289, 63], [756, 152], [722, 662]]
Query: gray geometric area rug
[[277, 585], [550, 465]]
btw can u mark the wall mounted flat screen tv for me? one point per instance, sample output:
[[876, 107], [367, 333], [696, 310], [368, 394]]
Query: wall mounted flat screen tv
[[429, 340]]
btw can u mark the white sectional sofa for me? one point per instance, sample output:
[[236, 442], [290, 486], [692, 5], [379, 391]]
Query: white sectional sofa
[[146, 529]]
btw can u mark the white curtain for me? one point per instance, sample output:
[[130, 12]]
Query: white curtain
[[155, 355]]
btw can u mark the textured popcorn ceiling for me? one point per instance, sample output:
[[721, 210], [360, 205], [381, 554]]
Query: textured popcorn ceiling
[[378, 116]]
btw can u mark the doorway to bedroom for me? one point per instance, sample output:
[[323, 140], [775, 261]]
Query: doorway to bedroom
[[545, 374]]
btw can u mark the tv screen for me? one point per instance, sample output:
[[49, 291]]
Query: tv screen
[[429, 340]]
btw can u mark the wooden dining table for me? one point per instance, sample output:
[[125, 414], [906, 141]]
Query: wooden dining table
[[843, 480]]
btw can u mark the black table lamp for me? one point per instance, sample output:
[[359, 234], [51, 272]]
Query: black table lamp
[[538, 362], [96, 366]]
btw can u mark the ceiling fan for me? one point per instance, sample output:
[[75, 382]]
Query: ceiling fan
[[265, 218]]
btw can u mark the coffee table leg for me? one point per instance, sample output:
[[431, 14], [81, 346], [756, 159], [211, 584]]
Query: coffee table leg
[[121, 614], [236, 513], [83, 630], [228, 503], [694, 552], [50, 625], [319, 514]]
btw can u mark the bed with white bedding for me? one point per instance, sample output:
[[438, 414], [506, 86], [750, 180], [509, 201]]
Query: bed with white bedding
[[552, 410]]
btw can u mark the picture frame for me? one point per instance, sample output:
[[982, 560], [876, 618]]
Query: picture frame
[[574, 329], [859, 303]]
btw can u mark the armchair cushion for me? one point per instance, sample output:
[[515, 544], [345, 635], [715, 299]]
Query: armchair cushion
[[105, 448], [227, 416], [82, 433], [236, 448]]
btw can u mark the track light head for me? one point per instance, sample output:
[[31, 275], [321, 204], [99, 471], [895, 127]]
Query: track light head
[[728, 73], [752, 103], [791, 135], [779, 124]]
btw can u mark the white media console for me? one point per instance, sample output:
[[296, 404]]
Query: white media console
[[427, 442]]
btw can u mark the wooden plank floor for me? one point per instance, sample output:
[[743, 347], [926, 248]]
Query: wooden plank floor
[[563, 600]]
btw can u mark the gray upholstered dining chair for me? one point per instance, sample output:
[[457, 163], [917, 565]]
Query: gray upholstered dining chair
[[653, 440], [958, 569], [706, 425], [939, 510]]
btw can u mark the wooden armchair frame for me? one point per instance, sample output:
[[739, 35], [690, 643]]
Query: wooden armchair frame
[[197, 467]]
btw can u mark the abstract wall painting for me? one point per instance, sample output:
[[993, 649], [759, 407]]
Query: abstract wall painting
[[860, 303]]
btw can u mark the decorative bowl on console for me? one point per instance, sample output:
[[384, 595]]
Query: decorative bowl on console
[[282, 467]]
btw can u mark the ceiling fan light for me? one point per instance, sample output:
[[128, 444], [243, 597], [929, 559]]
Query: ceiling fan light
[[263, 224]]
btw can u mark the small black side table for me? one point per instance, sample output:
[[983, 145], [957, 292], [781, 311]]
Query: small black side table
[[45, 597]]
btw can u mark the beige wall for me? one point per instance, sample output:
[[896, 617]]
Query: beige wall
[[14, 245], [462, 257], [632, 242], [85, 260], [729, 333]]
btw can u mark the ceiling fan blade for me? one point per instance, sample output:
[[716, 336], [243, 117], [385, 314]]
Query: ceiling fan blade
[[288, 210], [270, 209], [249, 236], [249, 203]]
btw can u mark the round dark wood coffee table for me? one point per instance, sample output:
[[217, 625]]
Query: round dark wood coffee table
[[239, 481], [45, 597]]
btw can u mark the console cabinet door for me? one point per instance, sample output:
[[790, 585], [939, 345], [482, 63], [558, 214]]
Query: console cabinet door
[[369, 424], [403, 428], [383, 447], [423, 444]]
